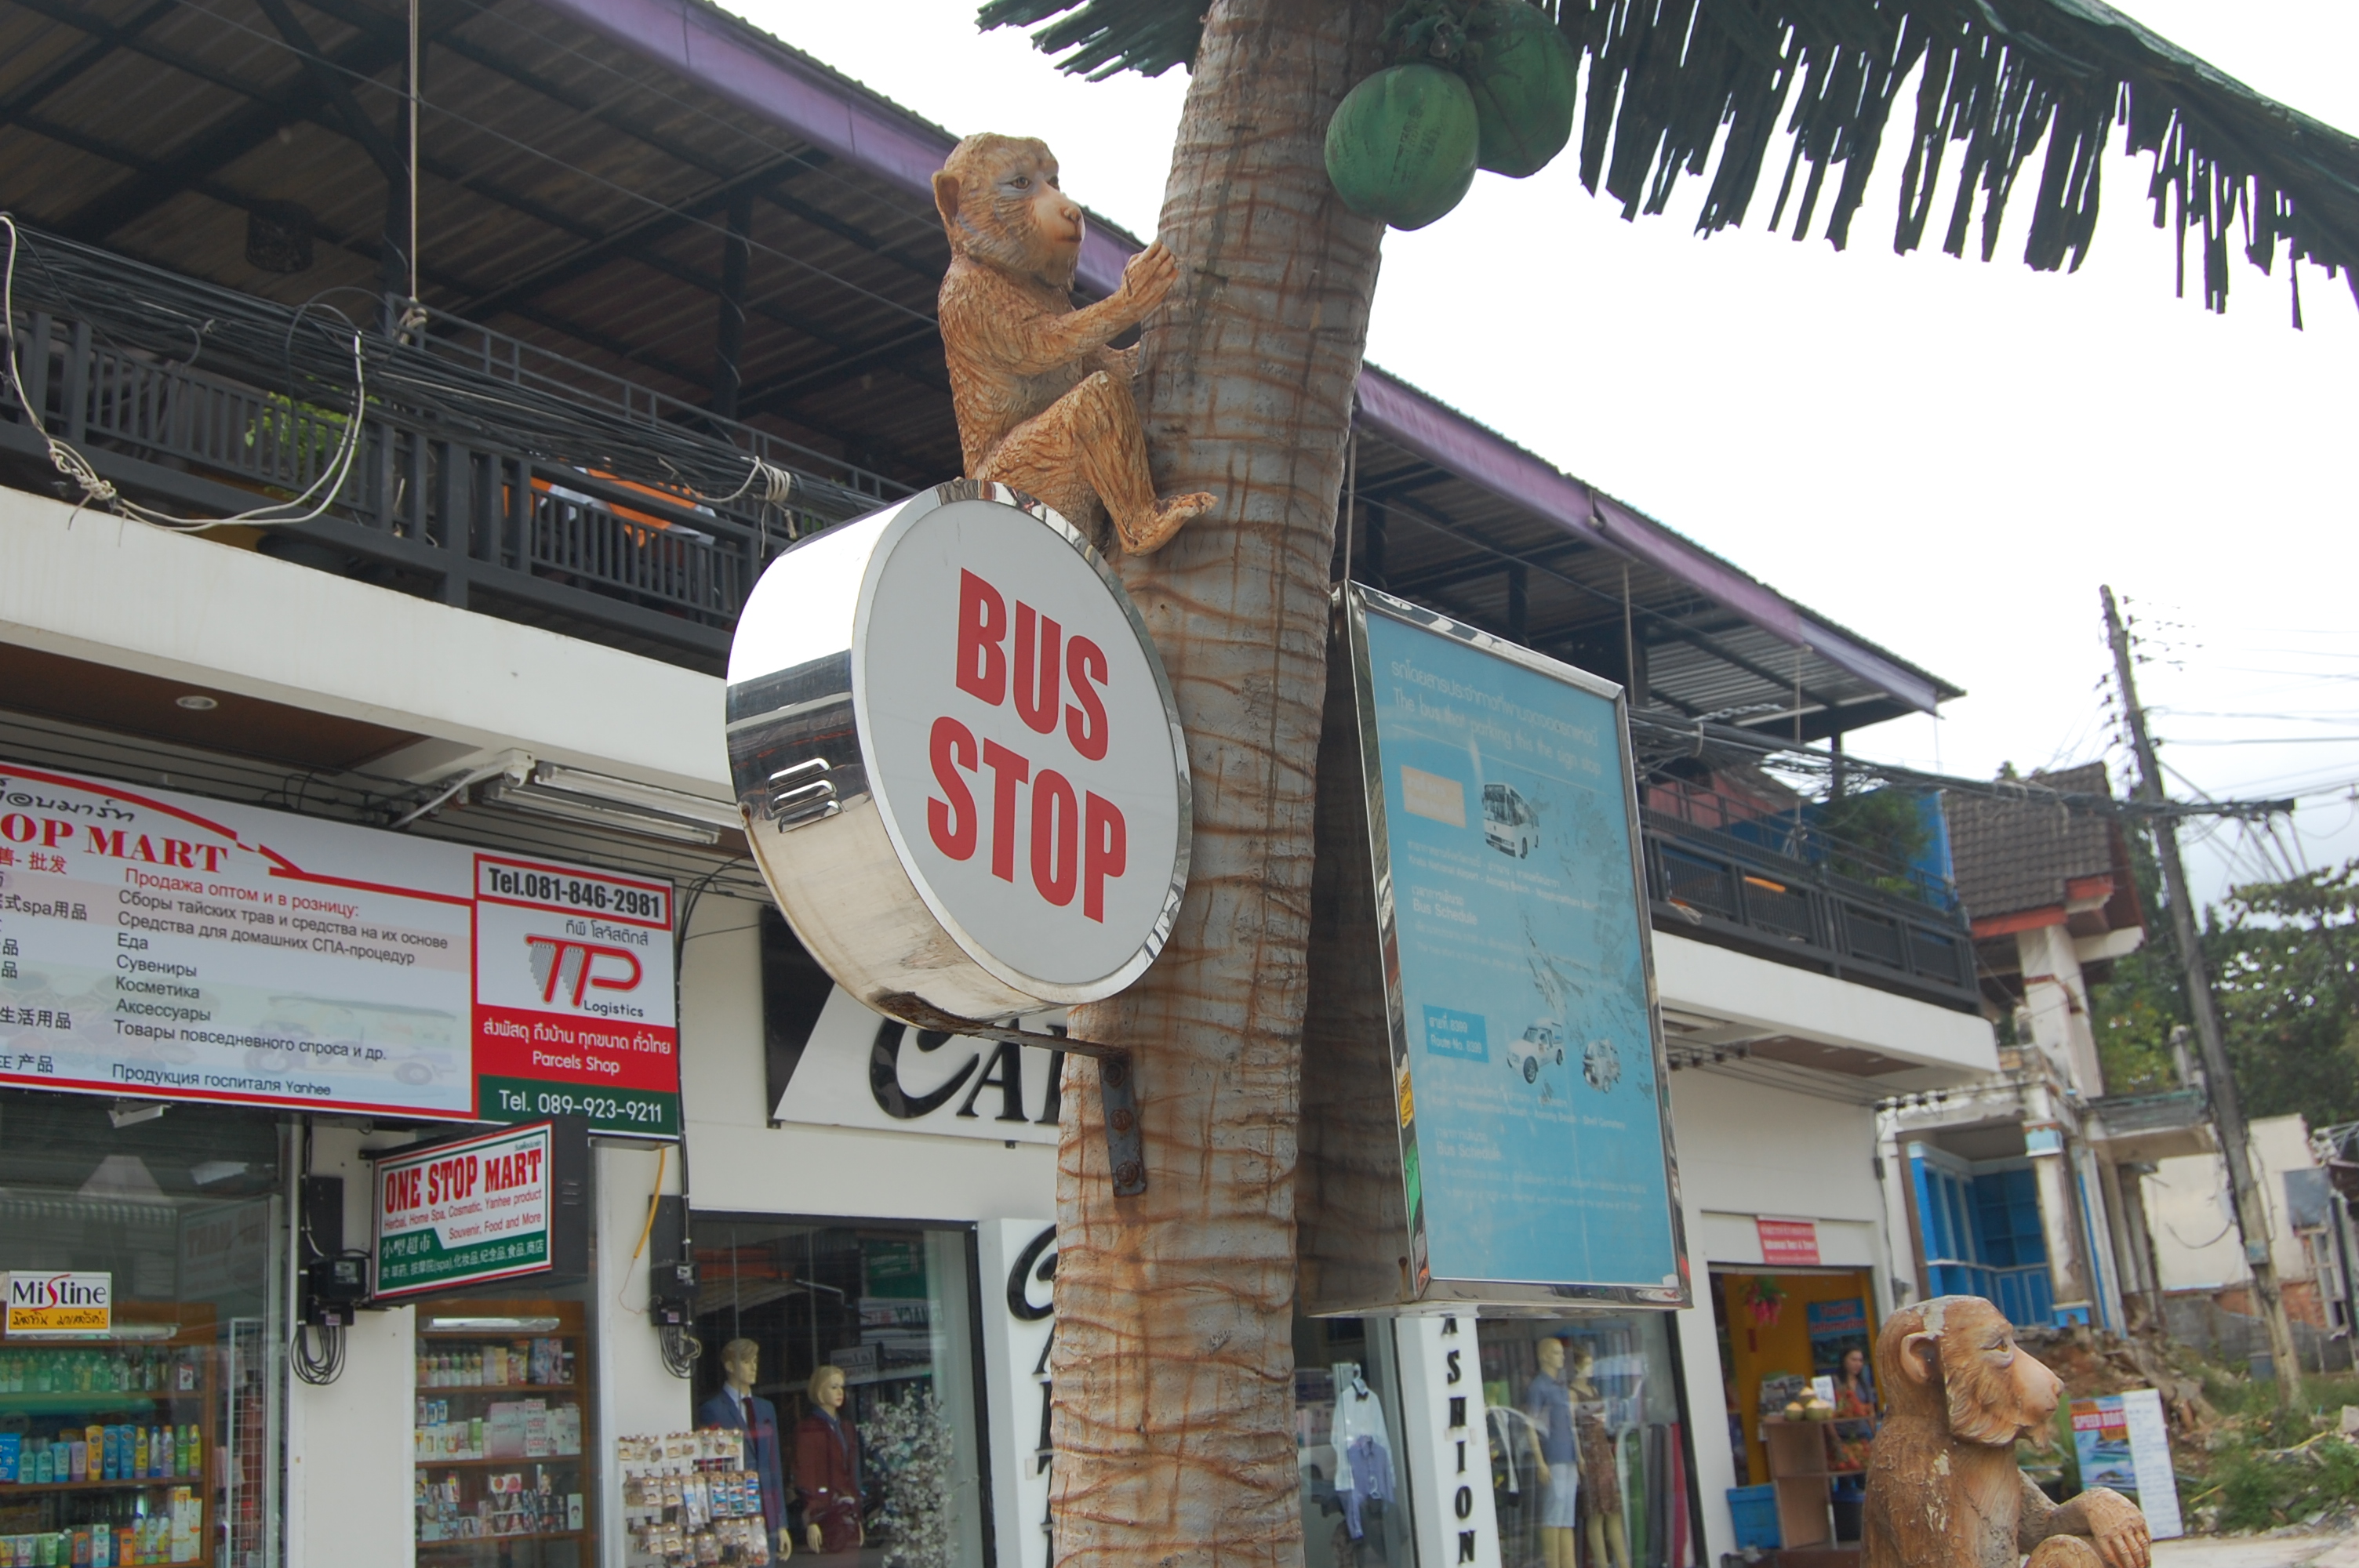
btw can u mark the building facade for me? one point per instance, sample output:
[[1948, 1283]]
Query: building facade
[[479, 692]]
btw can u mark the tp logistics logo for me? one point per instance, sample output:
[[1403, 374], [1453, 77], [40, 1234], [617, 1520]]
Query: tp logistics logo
[[562, 963]]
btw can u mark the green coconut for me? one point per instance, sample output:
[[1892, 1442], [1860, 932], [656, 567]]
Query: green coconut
[[1525, 84], [1401, 145]]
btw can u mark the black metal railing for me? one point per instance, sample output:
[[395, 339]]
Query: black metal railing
[[1705, 882], [456, 512]]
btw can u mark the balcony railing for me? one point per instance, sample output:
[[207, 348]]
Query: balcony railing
[[454, 508], [1708, 883]]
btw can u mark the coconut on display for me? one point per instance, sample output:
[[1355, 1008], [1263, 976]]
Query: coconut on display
[[960, 765], [1476, 85]]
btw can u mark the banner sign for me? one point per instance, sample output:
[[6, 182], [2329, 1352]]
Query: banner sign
[[1529, 1083], [464, 1212], [44, 1305], [165, 946], [2123, 1442], [1793, 1243]]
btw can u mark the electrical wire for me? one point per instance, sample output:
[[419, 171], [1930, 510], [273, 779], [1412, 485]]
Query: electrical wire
[[321, 1369], [96, 491]]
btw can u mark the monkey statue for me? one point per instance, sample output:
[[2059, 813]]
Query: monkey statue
[[1043, 405], [1942, 1487]]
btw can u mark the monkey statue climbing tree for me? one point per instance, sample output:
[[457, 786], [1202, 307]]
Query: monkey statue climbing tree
[[1044, 405]]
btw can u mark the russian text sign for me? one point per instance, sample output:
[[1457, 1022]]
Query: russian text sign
[[464, 1212], [159, 943], [1533, 1109]]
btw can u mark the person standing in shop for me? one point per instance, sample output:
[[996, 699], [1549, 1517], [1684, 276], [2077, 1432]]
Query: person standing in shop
[[739, 1408], [827, 1468]]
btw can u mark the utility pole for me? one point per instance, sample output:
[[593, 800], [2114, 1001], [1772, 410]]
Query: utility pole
[[2227, 1109]]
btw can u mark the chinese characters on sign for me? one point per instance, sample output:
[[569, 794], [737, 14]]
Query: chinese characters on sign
[[162, 944], [464, 1212]]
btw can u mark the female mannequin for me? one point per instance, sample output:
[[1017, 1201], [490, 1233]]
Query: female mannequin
[[1550, 1405], [827, 1467], [1608, 1537]]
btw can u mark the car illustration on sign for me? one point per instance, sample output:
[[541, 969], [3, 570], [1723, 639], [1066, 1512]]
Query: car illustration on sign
[[1509, 824], [1542, 1044]]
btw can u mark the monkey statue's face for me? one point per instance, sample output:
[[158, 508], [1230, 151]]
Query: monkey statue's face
[[1958, 1355], [1001, 205]]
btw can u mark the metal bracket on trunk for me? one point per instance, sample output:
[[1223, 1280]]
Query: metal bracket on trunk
[[1117, 1096], [1118, 1078]]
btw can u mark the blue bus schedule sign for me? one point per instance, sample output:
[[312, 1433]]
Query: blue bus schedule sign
[[1534, 1117]]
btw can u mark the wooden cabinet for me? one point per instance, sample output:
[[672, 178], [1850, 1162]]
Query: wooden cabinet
[[107, 1446], [1798, 1468], [504, 1436]]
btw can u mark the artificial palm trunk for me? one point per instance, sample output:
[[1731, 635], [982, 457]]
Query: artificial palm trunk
[[1174, 1361]]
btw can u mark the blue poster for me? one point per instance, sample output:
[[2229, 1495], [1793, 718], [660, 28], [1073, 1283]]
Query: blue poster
[[1533, 1119]]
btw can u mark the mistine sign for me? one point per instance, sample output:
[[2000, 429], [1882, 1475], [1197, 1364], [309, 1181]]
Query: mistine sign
[[959, 762], [45, 1305]]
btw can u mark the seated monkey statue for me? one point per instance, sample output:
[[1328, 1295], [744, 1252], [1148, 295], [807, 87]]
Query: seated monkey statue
[[1944, 1490], [1043, 405]]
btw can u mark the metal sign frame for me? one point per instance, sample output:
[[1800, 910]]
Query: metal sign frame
[[1418, 1287]]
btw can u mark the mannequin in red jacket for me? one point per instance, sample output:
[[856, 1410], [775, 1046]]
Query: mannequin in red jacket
[[827, 1467]]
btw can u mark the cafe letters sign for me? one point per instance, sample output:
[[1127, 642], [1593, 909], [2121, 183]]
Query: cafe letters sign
[[468, 1212], [49, 1305], [960, 768]]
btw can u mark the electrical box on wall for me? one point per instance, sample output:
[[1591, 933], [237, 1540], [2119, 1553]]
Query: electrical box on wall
[[335, 1281], [671, 1270]]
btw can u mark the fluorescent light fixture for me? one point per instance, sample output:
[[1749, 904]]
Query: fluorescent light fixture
[[639, 796], [491, 1325], [197, 702], [131, 1113], [212, 1171], [573, 810]]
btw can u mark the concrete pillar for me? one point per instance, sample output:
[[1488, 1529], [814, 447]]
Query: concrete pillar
[[2134, 1241], [2044, 1139], [2056, 998]]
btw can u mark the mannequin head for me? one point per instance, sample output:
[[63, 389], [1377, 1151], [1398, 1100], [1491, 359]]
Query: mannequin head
[[1583, 1359], [826, 1388], [1551, 1357], [740, 1359]]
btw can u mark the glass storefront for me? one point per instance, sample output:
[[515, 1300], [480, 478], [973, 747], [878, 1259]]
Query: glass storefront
[[1589, 1462], [1347, 1440], [506, 1439], [845, 1350], [144, 1430]]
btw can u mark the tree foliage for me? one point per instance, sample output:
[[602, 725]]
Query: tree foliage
[[2285, 966], [1672, 80]]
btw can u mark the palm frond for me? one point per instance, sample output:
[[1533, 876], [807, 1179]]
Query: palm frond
[[1669, 80]]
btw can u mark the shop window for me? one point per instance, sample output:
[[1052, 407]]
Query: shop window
[[141, 1424], [1589, 1459], [846, 1350], [504, 1441], [1347, 1440]]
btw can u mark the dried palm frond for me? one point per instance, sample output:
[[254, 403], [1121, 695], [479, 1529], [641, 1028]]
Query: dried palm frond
[[1668, 79]]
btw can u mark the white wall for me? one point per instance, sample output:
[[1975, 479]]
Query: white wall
[[2195, 1241], [635, 1392], [739, 1162], [1942, 1045], [349, 1448]]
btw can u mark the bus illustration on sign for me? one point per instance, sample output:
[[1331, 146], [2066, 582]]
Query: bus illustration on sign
[[1509, 824]]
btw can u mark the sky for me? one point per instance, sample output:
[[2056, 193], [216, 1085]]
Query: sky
[[1946, 457]]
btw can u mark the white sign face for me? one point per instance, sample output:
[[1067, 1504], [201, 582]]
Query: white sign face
[[162, 944], [62, 1306], [859, 1068], [1448, 1439], [1019, 745], [463, 1213], [1019, 1265]]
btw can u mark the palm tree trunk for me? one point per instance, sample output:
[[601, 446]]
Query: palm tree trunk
[[1175, 1357]]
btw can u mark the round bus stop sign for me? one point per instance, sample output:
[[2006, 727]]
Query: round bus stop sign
[[958, 759]]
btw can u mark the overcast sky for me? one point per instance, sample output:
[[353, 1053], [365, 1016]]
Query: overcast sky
[[1947, 457]]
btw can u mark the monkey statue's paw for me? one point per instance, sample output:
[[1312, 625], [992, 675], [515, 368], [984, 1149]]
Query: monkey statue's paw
[[1145, 536]]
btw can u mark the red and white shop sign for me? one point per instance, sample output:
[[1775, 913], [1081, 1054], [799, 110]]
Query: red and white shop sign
[[1792, 1242], [1021, 757], [947, 722]]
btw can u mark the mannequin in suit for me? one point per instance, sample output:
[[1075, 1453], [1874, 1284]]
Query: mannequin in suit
[[827, 1468], [737, 1406]]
